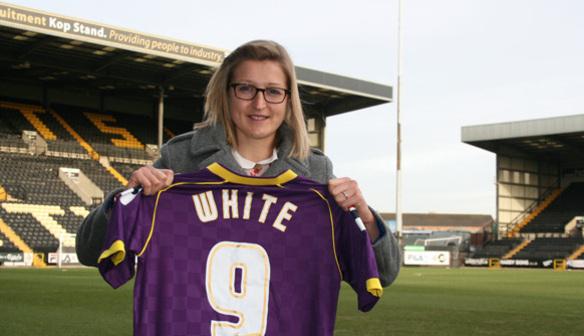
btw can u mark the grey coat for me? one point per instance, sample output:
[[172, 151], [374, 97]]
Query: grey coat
[[196, 150]]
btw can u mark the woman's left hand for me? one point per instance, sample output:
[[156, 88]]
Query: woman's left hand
[[348, 195]]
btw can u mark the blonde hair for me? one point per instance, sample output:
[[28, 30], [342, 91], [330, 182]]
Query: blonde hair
[[217, 110]]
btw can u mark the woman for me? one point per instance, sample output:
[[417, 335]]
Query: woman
[[253, 125]]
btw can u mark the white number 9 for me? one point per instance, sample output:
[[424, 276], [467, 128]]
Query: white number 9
[[238, 284]]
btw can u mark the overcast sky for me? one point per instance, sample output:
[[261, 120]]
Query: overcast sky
[[465, 62]]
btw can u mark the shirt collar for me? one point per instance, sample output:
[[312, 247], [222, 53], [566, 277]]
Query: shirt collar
[[247, 164]]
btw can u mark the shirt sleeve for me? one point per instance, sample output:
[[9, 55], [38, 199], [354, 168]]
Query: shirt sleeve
[[357, 261], [128, 229]]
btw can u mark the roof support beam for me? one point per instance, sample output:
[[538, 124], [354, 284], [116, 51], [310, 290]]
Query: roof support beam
[[54, 64], [568, 145], [41, 41], [111, 61], [177, 73]]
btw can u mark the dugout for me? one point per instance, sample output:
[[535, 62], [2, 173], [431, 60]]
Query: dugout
[[48, 58], [533, 158], [425, 234], [477, 228]]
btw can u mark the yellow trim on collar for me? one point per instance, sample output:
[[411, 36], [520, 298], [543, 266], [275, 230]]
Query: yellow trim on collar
[[218, 170], [374, 287], [116, 252], [228, 176]]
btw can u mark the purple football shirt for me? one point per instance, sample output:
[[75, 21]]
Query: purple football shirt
[[223, 254]]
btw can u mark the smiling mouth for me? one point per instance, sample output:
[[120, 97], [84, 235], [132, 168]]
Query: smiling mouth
[[258, 117]]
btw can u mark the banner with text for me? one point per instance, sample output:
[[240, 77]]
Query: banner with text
[[427, 258], [102, 34], [16, 258], [11, 256]]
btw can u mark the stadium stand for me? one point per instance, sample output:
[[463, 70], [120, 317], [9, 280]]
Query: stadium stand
[[70, 219], [561, 211], [542, 249], [35, 204], [98, 175], [551, 232], [547, 235], [28, 228], [34, 179], [12, 123], [97, 129], [7, 245], [540, 187], [126, 169], [497, 248]]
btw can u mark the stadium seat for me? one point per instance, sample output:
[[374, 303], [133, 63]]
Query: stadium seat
[[562, 210], [33, 179], [542, 249], [497, 248]]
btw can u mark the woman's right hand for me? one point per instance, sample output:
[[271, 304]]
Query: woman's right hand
[[151, 179]]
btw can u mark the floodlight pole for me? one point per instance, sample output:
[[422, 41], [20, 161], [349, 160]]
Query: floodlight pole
[[160, 116], [398, 185]]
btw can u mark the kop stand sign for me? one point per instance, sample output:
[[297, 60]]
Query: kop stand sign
[[75, 29]]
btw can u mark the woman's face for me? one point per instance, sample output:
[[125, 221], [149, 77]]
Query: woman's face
[[257, 119]]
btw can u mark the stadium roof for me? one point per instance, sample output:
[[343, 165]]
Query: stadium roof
[[442, 220], [59, 51], [558, 139]]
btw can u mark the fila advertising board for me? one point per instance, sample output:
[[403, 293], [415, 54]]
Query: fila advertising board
[[75, 29], [427, 258]]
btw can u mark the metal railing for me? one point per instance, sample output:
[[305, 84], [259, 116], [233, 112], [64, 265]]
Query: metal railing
[[521, 216]]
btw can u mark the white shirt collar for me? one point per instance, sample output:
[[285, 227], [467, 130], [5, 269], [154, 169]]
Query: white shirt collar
[[247, 164]]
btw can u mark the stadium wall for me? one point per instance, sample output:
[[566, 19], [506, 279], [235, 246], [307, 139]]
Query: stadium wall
[[520, 183]]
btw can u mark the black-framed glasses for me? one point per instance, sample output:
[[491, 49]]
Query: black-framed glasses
[[272, 95]]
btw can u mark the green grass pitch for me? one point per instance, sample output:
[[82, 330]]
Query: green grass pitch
[[423, 301]]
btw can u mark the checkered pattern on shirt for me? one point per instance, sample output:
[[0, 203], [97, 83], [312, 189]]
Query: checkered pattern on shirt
[[170, 293]]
